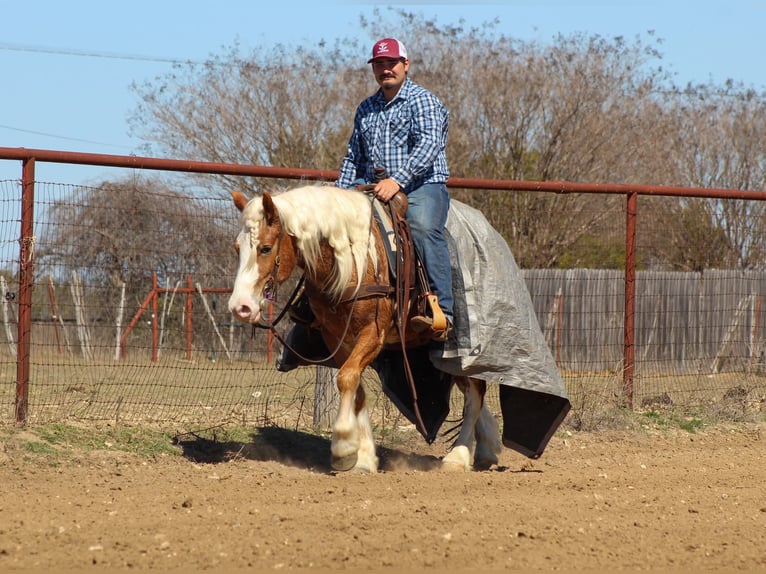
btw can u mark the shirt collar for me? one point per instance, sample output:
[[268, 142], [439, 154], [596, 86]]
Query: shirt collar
[[403, 92]]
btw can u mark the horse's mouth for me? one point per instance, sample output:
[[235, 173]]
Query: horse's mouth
[[247, 315]]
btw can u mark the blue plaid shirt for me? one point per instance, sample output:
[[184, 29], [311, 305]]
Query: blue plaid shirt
[[406, 136]]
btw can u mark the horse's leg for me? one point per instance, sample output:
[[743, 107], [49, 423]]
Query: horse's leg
[[345, 431], [352, 441], [367, 460], [459, 457], [488, 444]]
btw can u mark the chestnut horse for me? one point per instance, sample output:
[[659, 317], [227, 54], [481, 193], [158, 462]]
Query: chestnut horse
[[329, 234]]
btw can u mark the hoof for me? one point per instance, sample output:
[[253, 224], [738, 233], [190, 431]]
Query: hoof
[[458, 460], [449, 466], [344, 463]]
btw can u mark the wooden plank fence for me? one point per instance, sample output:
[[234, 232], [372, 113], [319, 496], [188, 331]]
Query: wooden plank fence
[[709, 321]]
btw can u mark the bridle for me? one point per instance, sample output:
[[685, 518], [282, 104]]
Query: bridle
[[271, 290]]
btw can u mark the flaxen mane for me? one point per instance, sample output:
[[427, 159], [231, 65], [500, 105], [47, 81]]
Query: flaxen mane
[[341, 217]]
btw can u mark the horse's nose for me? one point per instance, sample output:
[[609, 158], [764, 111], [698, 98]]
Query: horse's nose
[[242, 312]]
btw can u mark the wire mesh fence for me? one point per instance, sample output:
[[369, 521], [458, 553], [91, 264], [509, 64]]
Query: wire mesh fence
[[130, 323]]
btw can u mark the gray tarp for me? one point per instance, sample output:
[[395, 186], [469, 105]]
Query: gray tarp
[[497, 335], [496, 338]]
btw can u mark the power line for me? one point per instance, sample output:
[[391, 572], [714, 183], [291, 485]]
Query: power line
[[61, 137], [91, 54], [82, 54]]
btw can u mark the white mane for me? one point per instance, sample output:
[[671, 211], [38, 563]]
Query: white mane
[[342, 217]]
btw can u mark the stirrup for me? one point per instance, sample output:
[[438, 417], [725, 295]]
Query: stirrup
[[439, 320], [437, 323]]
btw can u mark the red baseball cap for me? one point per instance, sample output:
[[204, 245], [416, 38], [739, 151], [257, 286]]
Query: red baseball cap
[[388, 48]]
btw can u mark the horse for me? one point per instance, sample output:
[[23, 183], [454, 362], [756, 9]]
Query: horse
[[329, 234]]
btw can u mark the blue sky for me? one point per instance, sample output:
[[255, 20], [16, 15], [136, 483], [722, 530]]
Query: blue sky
[[65, 76]]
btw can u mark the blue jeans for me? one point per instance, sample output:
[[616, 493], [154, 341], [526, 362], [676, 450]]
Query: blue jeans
[[427, 214]]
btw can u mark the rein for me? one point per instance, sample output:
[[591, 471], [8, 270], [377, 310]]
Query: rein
[[272, 326], [403, 269], [306, 359]]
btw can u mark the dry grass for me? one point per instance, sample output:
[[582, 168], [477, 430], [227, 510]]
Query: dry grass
[[206, 393]]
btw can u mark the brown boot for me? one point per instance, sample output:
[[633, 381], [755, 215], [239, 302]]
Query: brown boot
[[420, 323]]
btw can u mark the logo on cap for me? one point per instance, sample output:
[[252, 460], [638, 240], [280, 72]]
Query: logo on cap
[[388, 48]]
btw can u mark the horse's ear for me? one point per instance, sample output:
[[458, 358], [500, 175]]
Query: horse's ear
[[240, 200], [269, 210]]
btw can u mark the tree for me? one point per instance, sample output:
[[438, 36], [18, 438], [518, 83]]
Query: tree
[[721, 146], [274, 108], [581, 108], [684, 237], [124, 232]]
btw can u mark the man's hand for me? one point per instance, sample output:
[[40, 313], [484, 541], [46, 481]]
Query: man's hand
[[386, 189]]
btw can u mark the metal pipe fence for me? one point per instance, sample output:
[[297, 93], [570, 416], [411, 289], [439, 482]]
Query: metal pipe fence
[[625, 307]]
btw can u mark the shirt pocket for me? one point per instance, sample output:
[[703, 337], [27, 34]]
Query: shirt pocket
[[399, 129], [367, 130]]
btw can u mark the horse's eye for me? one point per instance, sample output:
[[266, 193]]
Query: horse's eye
[[264, 249]]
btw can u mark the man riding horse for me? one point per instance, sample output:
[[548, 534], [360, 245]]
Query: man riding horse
[[399, 144]]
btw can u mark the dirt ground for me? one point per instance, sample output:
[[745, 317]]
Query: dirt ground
[[664, 499]]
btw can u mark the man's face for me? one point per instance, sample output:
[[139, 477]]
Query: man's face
[[390, 73]]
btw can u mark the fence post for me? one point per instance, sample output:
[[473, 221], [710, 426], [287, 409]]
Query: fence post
[[189, 309], [54, 312], [630, 298], [155, 320], [26, 284]]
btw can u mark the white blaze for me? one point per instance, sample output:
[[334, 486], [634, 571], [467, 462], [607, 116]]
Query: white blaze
[[244, 301]]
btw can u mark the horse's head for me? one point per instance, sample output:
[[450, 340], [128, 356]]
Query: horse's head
[[266, 257]]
